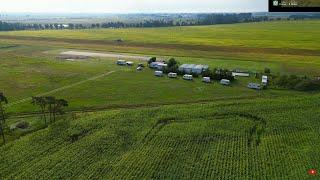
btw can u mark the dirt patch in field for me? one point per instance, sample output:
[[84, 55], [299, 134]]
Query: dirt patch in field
[[71, 54]]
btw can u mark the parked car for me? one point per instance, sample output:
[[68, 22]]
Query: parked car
[[158, 73]]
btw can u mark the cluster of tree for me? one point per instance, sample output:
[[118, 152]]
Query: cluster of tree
[[200, 19], [50, 105], [3, 100], [173, 66], [218, 74], [297, 83]]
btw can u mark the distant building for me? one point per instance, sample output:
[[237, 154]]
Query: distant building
[[193, 68]]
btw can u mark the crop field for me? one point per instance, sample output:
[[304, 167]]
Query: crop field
[[247, 139], [127, 124]]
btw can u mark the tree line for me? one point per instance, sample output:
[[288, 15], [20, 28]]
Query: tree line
[[200, 19], [49, 106]]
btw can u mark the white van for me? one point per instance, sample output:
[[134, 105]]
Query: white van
[[254, 86], [225, 82], [188, 77], [172, 75]]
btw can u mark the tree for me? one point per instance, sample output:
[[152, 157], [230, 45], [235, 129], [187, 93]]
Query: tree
[[41, 102], [267, 70], [3, 99], [173, 66], [50, 101], [151, 60], [58, 107]]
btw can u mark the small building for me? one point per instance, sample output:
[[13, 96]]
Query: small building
[[264, 80], [206, 79], [121, 62], [193, 68], [158, 73], [225, 82], [254, 86], [172, 75], [240, 74], [188, 77], [129, 63]]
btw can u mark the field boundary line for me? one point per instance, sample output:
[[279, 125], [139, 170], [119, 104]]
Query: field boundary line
[[60, 89]]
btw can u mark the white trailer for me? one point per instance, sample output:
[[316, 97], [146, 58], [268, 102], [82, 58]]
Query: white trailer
[[225, 82], [206, 79], [172, 75], [264, 80], [129, 63], [254, 86], [188, 77], [158, 73], [121, 62]]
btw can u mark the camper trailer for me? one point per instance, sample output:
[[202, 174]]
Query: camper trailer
[[254, 86], [158, 73], [206, 79], [188, 77], [129, 63], [121, 62], [264, 80], [172, 75], [225, 82]]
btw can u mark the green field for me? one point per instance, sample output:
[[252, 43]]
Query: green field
[[247, 139], [144, 127]]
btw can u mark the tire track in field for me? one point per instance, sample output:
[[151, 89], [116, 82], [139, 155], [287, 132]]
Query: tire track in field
[[60, 89]]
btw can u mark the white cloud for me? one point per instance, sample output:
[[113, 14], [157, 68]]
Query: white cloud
[[130, 6]]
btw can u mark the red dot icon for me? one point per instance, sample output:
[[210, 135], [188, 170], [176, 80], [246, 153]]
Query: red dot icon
[[312, 172]]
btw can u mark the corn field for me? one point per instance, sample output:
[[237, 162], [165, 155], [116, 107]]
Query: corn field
[[249, 139]]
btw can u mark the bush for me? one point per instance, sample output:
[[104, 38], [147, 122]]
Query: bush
[[151, 60], [267, 70], [308, 85]]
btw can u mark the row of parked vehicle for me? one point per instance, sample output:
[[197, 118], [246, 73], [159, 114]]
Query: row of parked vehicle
[[189, 77]]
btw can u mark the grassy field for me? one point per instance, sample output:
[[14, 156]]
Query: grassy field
[[247, 139], [151, 128]]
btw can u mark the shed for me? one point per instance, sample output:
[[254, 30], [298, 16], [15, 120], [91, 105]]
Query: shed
[[158, 73], [225, 82]]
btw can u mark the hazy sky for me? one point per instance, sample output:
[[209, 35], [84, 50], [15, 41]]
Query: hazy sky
[[132, 6]]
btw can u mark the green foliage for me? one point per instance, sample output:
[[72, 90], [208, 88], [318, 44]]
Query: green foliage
[[153, 59], [250, 139]]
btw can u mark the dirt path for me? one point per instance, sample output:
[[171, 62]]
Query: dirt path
[[108, 55], [60, 89]]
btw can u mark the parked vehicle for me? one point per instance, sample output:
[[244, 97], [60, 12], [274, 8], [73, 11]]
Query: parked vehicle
[[172, 75], [158, 73], [255, 86], [188, 77], [225, 82], [206, 79]]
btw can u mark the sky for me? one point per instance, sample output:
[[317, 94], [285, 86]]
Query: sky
[[132, 6]]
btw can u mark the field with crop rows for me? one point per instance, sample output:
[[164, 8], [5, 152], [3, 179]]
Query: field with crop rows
[[248, 139]]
